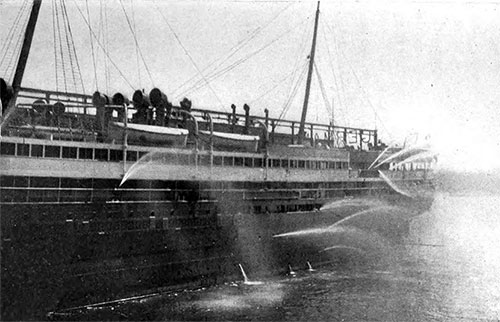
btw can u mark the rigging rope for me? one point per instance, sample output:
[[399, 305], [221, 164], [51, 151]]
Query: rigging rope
[[54, 37], [14, 57], [341, 87], [235, 48], [242, 60], [7, 46], [330, 61], [66, 63], [277, 83], [102, 47], [104, 32], [16, 51], [190, 58], [68, 45], [136, 48], [107, 71], [136, 43], [292, 90], [10, 34], [61, 49], [323, 91], [100, 35], [72, 49], [366, 95], [288, 103], [89, 24], [238, 62]]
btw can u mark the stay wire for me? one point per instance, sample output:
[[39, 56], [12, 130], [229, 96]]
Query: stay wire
[[330, 60], [68, 45], [89, 24], [299, 58], [365, 94], [292, 90], [136, 48], [17, 46], [100, 36], [341, 79], [73, 48], [10, 34], [238, 62], [14, 57], [61, 53], [136, 42], [106, 45], [54, 35], [241, 44], [323, 91], [289, 101], [12, 31], [102, 47], [189, 56], [277, 83], [242, 60]]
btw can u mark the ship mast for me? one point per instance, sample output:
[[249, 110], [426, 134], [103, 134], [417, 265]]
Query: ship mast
[[23, 56], [309, 77]]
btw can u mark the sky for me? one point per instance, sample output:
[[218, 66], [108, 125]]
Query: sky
[[417, 69]]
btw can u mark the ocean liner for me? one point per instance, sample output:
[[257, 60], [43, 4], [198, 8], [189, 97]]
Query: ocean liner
[[104, 198]]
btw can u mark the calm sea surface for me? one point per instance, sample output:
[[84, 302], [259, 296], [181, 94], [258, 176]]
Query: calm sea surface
[[447, 270]]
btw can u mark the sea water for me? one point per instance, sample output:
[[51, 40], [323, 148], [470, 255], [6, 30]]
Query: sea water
[[448, 269]]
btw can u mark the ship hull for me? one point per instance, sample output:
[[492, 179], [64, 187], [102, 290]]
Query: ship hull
[[88, 222], [66, 250]]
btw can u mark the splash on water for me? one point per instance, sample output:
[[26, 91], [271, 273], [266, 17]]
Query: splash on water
[[237, 299], [291, 271], [246, 281], [309, 267], [245, 277]]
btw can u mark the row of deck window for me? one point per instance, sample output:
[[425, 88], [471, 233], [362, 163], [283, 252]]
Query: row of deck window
[[268, 188], [66, 152]]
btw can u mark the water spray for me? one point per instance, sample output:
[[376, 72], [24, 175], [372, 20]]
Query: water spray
[[344, 247], [245, 277], [410, 151], [393, 185], [142, 162], [246, 281]]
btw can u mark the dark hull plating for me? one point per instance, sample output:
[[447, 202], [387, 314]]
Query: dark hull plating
[[57, 255]]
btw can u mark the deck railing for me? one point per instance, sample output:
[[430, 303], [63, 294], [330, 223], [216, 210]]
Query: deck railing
[[280, 131]]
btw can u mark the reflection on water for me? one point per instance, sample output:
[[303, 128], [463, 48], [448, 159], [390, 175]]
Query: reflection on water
[[447, 270]]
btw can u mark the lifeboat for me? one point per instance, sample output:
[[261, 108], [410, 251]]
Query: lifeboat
[[166, 136]]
